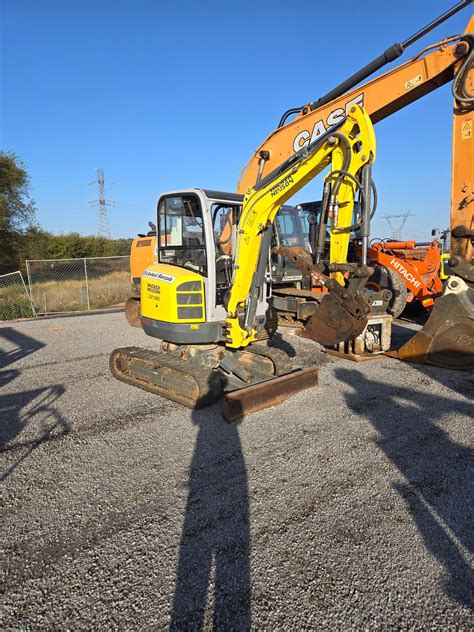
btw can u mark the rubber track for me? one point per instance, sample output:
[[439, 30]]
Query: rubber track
[[281, 361], [208, 381]]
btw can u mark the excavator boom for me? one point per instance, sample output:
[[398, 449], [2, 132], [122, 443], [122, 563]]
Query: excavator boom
[[381, 97], [447, 339]]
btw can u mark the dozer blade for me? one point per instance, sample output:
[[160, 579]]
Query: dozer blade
[[331, 323], [271, 392], [447, 338]]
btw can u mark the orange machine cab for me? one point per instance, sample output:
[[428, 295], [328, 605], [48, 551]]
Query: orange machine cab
[[142, 256]]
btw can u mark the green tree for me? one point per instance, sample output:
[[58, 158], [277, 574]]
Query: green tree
[[37, 243], [17, 209]]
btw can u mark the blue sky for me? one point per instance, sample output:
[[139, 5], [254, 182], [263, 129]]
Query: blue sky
[[166, 95]]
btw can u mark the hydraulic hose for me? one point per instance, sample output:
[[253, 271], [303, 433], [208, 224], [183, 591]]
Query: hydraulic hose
[[343, 173], [287, 114], [389, 55], [459, 87], [375, 197]]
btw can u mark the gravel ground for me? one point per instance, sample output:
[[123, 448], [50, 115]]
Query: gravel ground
[[349, 506]]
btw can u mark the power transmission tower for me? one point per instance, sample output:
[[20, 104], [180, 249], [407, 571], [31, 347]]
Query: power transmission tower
[[102, 214], [397, 227]]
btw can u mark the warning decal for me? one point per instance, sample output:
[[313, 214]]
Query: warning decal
[[466, 130], [412, 83]]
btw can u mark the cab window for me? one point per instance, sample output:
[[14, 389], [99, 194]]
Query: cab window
[[181, 240]]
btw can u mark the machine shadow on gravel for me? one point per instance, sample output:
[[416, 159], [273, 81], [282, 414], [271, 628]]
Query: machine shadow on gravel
[[40, 421], [278, 342], [25, 346], [438, 487], [213, 576], [461, 382]]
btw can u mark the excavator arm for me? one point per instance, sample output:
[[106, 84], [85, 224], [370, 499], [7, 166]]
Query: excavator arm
[[447, 338], [348, 147]]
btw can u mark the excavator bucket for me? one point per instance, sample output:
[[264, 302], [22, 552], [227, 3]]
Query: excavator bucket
[[343, 312], [447, 339], [331, 323]]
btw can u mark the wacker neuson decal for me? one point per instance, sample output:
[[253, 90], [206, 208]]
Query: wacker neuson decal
[[159, 276]]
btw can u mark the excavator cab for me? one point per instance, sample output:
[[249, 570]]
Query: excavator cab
[[289, 231], [183, 295]]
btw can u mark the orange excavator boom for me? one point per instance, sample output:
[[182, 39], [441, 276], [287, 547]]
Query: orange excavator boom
[[381, 97]]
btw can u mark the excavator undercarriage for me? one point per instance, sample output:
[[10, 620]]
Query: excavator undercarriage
[[198, 375]]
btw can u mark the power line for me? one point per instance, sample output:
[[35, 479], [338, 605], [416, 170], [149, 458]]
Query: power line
[[102, 213], [397, 227]]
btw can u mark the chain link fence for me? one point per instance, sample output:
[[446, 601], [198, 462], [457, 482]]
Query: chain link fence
[[71, 285], [15, 301]]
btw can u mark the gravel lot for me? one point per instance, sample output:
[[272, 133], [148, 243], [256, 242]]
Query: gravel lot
[[349, 506]]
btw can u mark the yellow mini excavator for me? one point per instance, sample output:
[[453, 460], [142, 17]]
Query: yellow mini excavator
[[208, 307]]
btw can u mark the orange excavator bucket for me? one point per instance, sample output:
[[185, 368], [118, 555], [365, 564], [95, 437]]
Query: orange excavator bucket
[[447, 339]]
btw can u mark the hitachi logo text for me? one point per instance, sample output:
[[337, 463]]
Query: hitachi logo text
[[404, 272]]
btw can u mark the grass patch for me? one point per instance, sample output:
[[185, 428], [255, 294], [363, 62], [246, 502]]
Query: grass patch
[[72, 295], [15, 308]]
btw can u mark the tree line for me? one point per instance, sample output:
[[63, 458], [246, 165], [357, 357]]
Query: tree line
[[21, 238]]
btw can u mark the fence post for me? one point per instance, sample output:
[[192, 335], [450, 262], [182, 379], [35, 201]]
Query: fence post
[[28, 294], [87, 285]]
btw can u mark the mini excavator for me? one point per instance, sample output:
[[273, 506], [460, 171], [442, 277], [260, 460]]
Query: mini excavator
[[208, 307]]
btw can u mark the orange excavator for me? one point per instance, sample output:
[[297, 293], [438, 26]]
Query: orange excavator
[[447, 339], [414, 270]]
